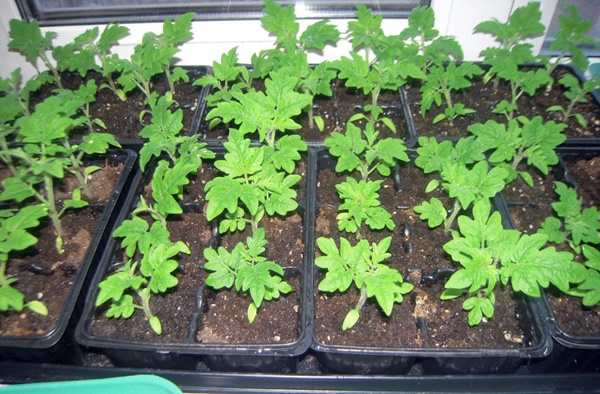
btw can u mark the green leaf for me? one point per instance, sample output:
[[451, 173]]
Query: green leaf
[[155, 325], [351, 319], [432, 211], [37, 307]]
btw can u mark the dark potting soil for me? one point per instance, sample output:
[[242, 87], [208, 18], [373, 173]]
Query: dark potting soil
[[41, 270], [416, 257], [483, 98], [532, 207], [122, 118]]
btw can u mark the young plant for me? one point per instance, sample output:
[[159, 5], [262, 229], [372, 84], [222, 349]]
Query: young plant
[[570, 38], [86, 94], [27, 38], [46, 155], [464, 182], [267, 112], [80, 55], [163, 137], [155, 55], [364, 266], [506, 60], [534, 141], [291, 53], [154, 272], [250, 271], [576, 93], [362, 151], [433, 48], [489, 254], [250, 188], [15, 236], [441, 81], [227, 77], [574, 225], [388, 70]]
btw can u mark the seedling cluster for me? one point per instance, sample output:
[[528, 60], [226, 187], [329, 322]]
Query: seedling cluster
[[258, 175]]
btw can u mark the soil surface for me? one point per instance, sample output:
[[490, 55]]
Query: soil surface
[[529, 207], [41, 270], [483, 98], [422, 319]]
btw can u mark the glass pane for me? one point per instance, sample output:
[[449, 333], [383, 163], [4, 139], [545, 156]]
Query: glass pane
[[85, 11], [589, 10]]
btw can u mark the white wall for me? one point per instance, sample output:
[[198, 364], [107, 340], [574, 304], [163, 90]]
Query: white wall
[[212, 38]]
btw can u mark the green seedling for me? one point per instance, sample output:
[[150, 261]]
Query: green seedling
[[27, 38], [571, 38], [574, 225], [489, 254], [86, 95], [388, 70], [227, 77], [266, 112], [364, 266], [15, 236], [156, 55], [464, 181], [576, 93], [534, 141], [46, 155], [434, 49], [81, 54], [441, 81], [251, 186], [247, 268]]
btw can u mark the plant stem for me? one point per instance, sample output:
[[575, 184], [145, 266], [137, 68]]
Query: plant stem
[[52, 212], [450, 219]]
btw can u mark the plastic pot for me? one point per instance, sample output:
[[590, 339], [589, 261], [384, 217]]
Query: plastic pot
[[188, 353], [58, 345]]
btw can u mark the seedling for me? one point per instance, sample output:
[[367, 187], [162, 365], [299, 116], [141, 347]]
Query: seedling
[[46, 155], [434, 49], [251, 185], [514, 52], [85, 95], [266, 112], [534, 141], [364, 266], [488, 253], [27, 38], [80, 55], [570, 38], [15, 236], [156, 55], [227, 77], [154, 273], [248, 269], [387, 71], [575, 93], [465, 184], [291, 53], [574, 225], [441, 81]]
